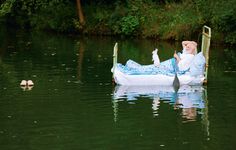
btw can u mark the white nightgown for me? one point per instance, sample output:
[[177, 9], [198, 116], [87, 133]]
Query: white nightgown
[[185, 62]]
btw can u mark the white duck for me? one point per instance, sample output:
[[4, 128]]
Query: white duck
[[30, 83], [23, 83], [26, 83]]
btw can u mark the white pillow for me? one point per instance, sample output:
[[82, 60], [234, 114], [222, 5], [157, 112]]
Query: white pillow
[[197, 67]]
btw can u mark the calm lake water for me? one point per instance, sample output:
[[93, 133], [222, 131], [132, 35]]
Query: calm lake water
[[74, 105]]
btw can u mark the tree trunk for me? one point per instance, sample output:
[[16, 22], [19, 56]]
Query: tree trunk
[[80, 13]]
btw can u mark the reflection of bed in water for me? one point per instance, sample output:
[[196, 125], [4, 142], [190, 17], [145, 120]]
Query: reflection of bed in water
[[192, 100], [186, 97], [189, 104]]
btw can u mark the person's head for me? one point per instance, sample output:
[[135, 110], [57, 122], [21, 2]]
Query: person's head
[[191, 48]]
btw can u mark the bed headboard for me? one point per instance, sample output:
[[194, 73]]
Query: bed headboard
[[206, 39]]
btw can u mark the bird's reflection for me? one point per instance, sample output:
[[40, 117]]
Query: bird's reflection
[[191, 100]]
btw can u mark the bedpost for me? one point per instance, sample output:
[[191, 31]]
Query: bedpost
[[206, 38], [114, 58]]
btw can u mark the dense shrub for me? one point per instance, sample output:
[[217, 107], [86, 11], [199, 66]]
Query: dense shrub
[[129, 24], [164, 19], [224, 19], [59, 17], [41, 14]]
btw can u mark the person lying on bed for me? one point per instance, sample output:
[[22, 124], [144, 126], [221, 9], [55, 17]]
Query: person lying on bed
[[183, 60]]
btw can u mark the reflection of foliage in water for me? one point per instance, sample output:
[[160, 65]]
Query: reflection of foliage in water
[[230, 60], [142, 51]]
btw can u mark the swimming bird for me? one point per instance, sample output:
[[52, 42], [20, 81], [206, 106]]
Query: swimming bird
[[26, 83], [30, 83], [23, 83]]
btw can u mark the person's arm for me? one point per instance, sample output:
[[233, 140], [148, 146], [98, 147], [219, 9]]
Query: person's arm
[[176, 56], [185, 63]]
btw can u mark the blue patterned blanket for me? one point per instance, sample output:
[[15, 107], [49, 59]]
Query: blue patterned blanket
[[166, 68]]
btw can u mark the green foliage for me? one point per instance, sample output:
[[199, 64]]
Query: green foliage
[[97, 18], [164, 19], [41, 14], [129, 24], [220, 15], [57, 19], [127, 17], [231, 37], [224, 19], [179, 22], [6, 7]]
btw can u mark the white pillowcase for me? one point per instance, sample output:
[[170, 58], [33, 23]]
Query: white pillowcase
[[197, 67]]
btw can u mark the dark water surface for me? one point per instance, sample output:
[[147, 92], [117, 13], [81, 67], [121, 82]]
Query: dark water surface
[[74, 105]]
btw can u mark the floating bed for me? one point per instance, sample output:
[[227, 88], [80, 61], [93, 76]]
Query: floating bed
[[123, 78]]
